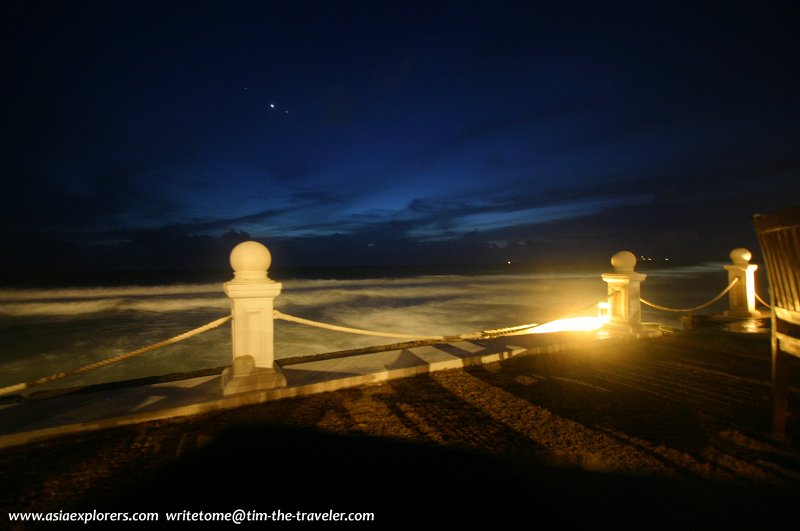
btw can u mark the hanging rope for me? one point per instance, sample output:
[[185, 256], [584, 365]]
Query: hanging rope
[[317, 324], [709, 303], [762, 301], [511, 330], [484, 334], [115, 359], [526, 329], [360, 331]]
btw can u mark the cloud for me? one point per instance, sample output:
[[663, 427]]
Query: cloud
[[540, 115], [70, 203]]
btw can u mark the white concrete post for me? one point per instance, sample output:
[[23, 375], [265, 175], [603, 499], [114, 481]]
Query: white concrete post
[[252, 294], [624, 291], [742, 296]]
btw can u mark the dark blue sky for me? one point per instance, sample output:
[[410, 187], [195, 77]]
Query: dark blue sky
[[158, 134]]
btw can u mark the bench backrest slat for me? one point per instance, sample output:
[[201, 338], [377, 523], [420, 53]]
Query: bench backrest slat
[[779, 238]]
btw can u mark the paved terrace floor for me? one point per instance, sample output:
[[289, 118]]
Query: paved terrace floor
[[64, 411], [661, 433]]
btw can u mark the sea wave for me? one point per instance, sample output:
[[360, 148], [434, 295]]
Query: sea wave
[[47, 331], [295, 293]]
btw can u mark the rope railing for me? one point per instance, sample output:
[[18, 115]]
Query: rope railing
[[695, 308], [252, 294], [484, 334], [360, 331], [762, 301], [317, 324], [108, 361]]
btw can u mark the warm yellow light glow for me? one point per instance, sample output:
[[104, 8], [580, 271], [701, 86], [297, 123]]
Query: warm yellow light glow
[[750, 293], [570, 324], [576, 324], [604, 311]]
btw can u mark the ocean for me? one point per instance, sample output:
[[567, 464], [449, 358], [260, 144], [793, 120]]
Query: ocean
[[52, 324]]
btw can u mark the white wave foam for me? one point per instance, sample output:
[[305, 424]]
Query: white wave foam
[[12, 294], [54, 330]]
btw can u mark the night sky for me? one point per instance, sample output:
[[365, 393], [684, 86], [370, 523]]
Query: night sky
[[160, 134]]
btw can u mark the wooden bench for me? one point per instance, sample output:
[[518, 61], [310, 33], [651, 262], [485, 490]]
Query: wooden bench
[[779, 238]]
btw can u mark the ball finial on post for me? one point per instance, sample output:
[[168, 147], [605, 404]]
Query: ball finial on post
[[624, 262], [250, 261], [623, 291], [741, 256]]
